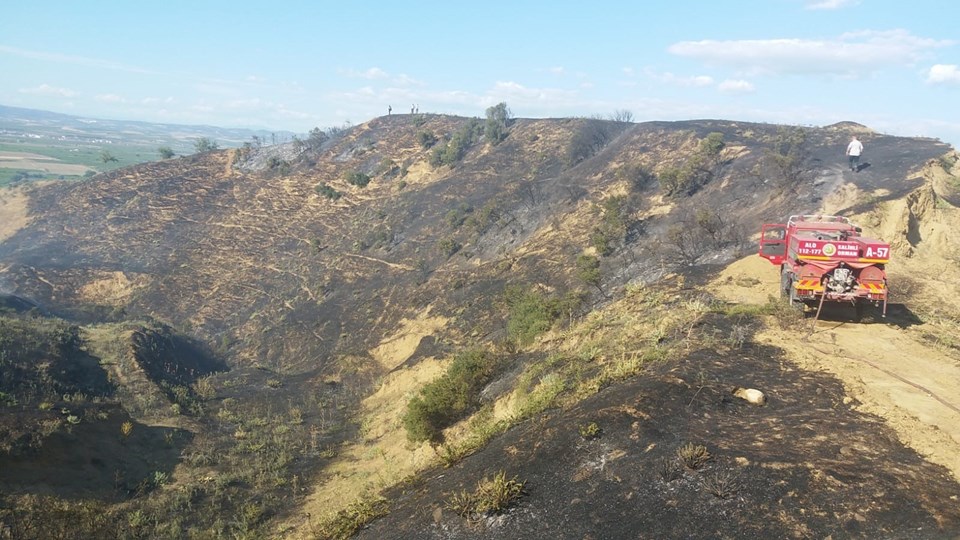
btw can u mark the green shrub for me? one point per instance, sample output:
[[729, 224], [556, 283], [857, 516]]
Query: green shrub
[[449, 398], [204, 144], [498, 118], [484, 218], [532, 313], [278, 165], [356, 178], [636, 175], [699, 169], [449, 247], [426, 139], [458, 145], [328, 192], [588, 270], [456, 216], [790, 157]]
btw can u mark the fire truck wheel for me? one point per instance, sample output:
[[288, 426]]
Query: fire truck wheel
[[795, 301], [787, 290], [786, 283]]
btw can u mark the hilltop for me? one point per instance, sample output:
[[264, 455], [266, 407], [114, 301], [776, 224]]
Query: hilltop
[[269, 312]]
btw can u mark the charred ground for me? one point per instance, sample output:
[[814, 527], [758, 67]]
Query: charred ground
[[268, 312]]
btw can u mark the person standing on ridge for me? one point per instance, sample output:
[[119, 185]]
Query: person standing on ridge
[[854, 149]]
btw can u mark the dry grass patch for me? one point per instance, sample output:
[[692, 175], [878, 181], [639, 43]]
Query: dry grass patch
[[492, 496], [13, 212]]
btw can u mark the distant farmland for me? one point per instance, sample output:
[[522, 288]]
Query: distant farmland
[[35, 162]]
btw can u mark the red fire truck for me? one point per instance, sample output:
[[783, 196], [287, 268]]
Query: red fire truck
[[825, 258]]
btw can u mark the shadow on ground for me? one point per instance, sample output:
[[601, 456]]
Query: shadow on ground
[[94, 458], [806, 465]]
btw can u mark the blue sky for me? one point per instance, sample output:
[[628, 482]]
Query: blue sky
[[892, 65]]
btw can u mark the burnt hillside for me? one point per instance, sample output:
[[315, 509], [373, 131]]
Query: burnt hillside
[[254, 259], [292, 341]]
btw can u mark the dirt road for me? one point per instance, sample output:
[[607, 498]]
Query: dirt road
[[900, 369]]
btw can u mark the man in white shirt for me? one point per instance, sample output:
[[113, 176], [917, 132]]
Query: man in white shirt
[[854, 149]]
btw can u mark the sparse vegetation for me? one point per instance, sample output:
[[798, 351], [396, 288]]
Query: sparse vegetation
[[458, 145], [693, 456], [789, 157], [106, 157], [696, 171], [492, 496], [455, 217], [589, 138], [670, 469], [613, 225], [328, 191], [165, 152], [278, 165], [532, 313], [588, 270], [356, 178], [205, 144], [636, 175], [722, 484], [590, 431], [426, 139], [260, 435], [449, 247], [387, 168], [350, 520]]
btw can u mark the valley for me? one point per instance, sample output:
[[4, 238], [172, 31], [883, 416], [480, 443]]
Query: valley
[[358, 334]]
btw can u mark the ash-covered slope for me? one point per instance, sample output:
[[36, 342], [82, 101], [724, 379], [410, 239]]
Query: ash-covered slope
[[260, 263]]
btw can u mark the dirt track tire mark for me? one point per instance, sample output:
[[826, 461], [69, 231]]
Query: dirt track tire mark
[[900, 378]]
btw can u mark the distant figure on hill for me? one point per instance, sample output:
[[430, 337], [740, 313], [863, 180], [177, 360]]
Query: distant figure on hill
[[389, 109], [412, 107], [854, 149]]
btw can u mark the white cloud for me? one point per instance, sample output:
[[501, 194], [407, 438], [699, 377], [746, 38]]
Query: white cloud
[[48, 90], [405, 80], [156, 100], [849, 54], [831, 4], [370, 74], [943, 73], [557, 70], [69, 59], [735, 85], [249, 103], [516, 93], [110, 98], [677, 80]]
